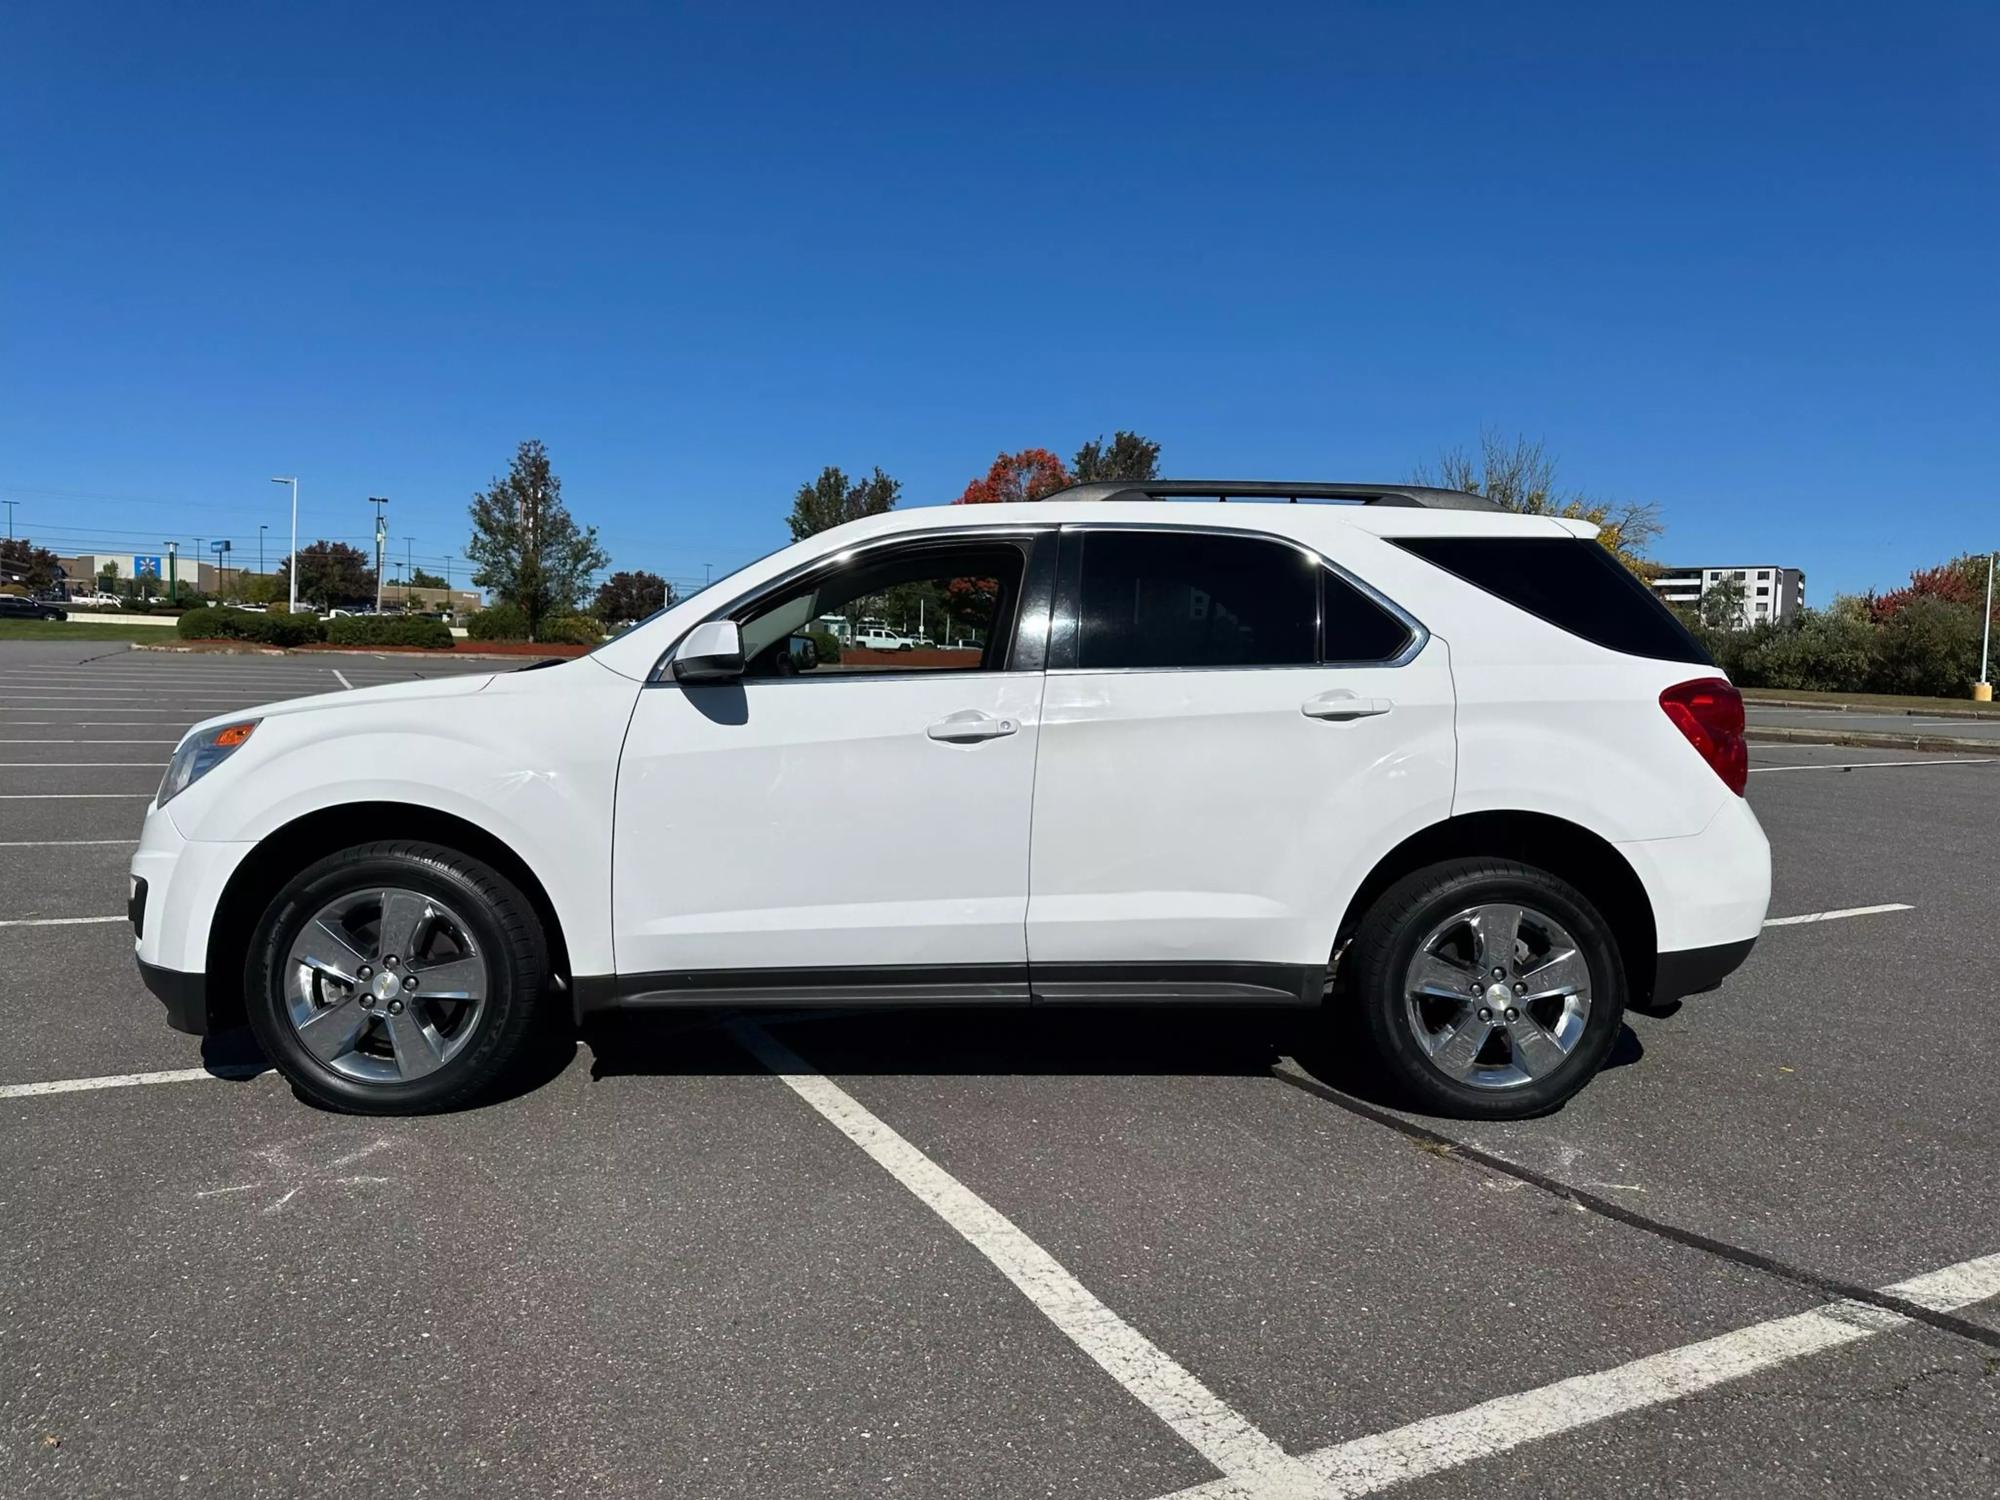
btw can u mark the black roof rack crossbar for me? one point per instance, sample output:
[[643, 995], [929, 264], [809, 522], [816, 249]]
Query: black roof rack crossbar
[[1417, 496]]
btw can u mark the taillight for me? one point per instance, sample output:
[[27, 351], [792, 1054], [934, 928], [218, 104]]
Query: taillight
[[1709, 711]]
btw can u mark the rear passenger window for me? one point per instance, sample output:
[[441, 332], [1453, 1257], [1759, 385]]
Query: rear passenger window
[[1356, 628], [1172, 599], [1573, 584]]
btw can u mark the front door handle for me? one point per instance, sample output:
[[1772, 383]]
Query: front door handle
[[969, 725], [1340, 705]]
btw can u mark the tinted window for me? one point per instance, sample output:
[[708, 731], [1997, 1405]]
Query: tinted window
[[1574, 585], [926, 608], [1166, 599], [1357, 629]]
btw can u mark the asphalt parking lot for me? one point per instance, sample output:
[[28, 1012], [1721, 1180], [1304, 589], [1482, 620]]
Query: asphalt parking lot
[[1003, 1253]]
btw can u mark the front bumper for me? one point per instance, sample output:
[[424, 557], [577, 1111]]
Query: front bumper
[[184, 995], [177, 887], [1695, 971]]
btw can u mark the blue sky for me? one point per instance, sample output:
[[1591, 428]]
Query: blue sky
[[1740, 260]]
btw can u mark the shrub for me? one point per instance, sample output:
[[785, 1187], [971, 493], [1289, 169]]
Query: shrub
[[828, 643], [500, 622], [1930, 646], [282, 630], [390, 630], [211, 624], [1820, 651], [572, 630]]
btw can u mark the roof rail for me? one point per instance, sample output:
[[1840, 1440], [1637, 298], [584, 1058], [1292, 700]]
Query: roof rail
[[1417, 496]]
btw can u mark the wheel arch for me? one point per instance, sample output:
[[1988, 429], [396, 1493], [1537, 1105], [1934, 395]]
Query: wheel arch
[[1567, 850], [288, 849]]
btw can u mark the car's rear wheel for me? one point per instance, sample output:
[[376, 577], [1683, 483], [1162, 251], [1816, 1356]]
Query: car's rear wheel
[[1487, 989], [396, 978]]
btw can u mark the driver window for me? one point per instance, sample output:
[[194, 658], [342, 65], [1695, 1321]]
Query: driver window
[[938, 607]]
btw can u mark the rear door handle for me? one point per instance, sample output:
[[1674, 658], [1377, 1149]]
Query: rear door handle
[[1340, 705], [969, 726]]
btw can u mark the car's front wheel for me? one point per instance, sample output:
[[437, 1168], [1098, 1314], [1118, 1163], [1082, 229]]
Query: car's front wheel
[[1487, 989], [397, 977]]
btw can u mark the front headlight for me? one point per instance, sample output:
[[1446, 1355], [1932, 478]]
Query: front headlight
[[201, 753]]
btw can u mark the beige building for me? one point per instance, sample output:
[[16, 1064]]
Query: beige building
[[148, 574]]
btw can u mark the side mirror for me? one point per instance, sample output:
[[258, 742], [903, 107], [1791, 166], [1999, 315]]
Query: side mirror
[[712, 652], [803, 653]]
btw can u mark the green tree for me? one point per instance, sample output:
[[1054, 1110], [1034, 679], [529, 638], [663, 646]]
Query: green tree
[[1521, 475], [107, 578], [833, 500], [1721, 605], [1130, 456], [21, 561], [419, 579], [529, 550], [624, 597], [330, 574]]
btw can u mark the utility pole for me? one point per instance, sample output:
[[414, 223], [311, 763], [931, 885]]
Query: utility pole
[[173, 573], [294, 569], [409, 569], [10, 504], [260, 548], [381, 537], [1982, 690]]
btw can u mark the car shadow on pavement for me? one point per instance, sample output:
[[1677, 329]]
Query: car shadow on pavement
[[234, 1055], [1053, 1041]]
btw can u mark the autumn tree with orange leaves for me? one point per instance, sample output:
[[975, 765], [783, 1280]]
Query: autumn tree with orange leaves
[[1027, 475]]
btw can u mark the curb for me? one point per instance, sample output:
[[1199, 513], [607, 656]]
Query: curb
[[1755, 699], [1867, 739]]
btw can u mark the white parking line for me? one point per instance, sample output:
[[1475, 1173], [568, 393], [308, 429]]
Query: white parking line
[[57, 921], [1366, 1465], [1835, 916], [66, 796], [76, 765], [343, 680], [125, 1081], [58, 843], [1251, 1461], [86, 724], [1873, 765]]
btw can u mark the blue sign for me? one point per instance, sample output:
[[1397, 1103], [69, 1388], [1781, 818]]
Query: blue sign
[[145, 567], [218, 548]]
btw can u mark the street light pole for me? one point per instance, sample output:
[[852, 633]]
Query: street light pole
[[381, 536], [1982, 691], [260, 549], [294, 568]]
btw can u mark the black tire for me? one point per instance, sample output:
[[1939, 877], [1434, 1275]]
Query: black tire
[[505, 927], [1386, 944]]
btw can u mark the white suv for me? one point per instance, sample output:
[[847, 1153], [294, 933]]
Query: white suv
[[1447, 772]]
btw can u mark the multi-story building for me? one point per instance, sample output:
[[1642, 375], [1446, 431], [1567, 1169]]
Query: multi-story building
[[1770, 593]]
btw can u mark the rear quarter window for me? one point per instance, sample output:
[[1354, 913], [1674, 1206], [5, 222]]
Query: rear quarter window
[[1573, 584]]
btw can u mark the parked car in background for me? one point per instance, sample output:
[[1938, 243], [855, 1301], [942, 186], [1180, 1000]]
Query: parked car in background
[[880, 638], [14, 607], [1447, 775], [97, 600]]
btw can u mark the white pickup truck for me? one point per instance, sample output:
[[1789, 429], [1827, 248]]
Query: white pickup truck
[[876, 638]]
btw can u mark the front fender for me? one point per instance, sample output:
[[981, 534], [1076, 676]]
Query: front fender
[[534, 767]]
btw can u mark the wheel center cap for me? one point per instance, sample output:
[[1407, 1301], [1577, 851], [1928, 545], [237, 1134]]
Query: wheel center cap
[[384, 985], [1498, 996]]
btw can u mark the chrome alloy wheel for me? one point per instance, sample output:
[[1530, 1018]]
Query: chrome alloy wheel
[[385, 985], [1497, 996]]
